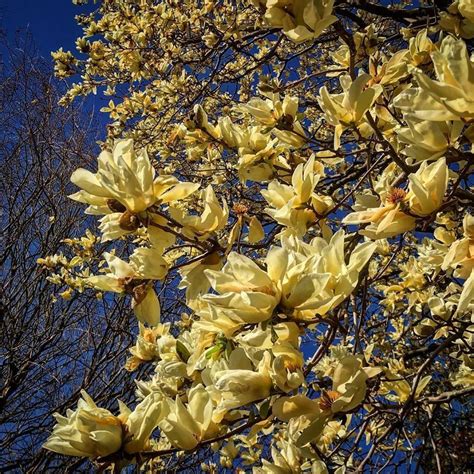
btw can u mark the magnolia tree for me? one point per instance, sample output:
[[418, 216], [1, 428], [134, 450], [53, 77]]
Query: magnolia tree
[[284, 199]]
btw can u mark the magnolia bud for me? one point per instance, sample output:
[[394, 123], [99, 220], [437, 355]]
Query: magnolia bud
[[129, 221], [115, 206]]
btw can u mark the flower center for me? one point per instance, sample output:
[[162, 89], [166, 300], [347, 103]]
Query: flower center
[[327, 399], [396, 195]]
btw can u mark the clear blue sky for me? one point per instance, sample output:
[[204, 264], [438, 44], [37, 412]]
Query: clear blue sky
[[50, 22]]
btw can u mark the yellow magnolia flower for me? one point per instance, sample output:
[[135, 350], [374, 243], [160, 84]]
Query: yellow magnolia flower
[[186, 426], [451, 97], [427, 140], [466, 299], [142, 421], [229, 132], [92, 432], [420, 48], [280, 115], [385, 221], [272, 111], [286, 408], [304, 279], [258, 153], [427, 187], [300, 20], [244, 288], [426, 193], [460, 255], [135, 278], [403, 389], [239, 387], [459, 18], [292, 206], [286, 460], [314, 278], [286, 371], [213, 218], [194, 279], [125, 180], [146, 347], [217, 319], [348, 109], [386, 71], [348, 391], [198, 125], [89, 431], [266, 336]]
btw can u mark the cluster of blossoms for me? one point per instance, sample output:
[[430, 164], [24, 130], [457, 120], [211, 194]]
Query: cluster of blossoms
[[313, 237]]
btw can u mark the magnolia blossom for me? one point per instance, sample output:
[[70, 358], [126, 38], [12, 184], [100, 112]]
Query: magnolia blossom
[[92, 432], [451, 97], [186, 426], [428, 187], [427, 140], [304, 279], [213, 217], [349, 389], [459, 18], [460, 255], [349, 108], [314, 278], [285, 459], [295, 206], [300, 20], [387, 219], [286, 370], [280, 115], [238, 387], [244, 288], [146, 347], [125, 180], [420, 47], [399, 209], [258, 153], [135, 278]]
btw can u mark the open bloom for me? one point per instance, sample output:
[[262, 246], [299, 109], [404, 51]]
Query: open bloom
[[427, 187], [244, 288], [349, 108], [258, 153], [314, 278], [460, 255], [459, 18], [300, 20], [451, 97], [187, 426], [239, 387], [125, 180], [304, 279], [213, 217], [387, 219], [286, 370], [294, 206], [146, 348], [398, 210], [135, 278], [91, 431], [428, 140], [348, 391], [280, 115]]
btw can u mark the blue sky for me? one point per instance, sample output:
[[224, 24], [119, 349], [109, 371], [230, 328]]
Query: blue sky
[[50, 22]]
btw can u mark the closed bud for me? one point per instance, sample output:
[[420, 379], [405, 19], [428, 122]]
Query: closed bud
[[115, 205], [129, 221]]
